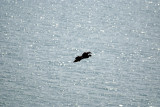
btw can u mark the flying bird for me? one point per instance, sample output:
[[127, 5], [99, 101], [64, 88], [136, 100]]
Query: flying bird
[[84, 55]]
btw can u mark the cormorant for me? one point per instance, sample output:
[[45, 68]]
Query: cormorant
[[84, 55]]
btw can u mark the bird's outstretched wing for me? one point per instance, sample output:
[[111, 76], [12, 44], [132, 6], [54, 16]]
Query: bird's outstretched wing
[[86, 54]]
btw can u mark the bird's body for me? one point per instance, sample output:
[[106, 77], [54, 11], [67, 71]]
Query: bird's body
[[84, 55]]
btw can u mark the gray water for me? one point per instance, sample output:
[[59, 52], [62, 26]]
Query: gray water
[[39, 40]]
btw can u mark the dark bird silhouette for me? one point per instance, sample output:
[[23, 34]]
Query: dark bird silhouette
[[84, 55]]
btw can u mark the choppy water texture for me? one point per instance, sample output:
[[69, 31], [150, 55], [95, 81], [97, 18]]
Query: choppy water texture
[[39, 40]]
